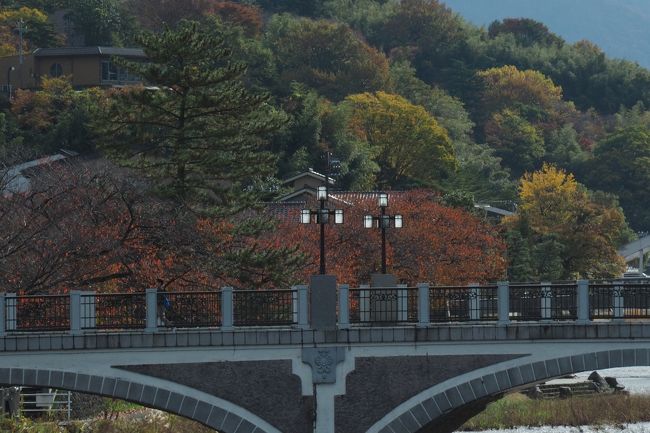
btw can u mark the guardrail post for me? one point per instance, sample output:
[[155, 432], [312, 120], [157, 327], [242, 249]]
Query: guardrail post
[[302, 306], [344, 306], [3, 315], [423, 305], [474, 302], [545, 300], [503, 299], [11, 318], [151, 302], [582, 301], [618, 302], [364, 303], [75, 312], [227, 321]]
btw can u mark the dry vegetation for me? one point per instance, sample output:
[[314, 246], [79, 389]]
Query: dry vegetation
[[519, 410]]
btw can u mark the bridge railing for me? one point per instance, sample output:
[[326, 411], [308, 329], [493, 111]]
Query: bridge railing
[[79, 312], [422, 305], [503, 302]]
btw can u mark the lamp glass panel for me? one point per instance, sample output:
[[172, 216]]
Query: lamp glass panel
[[305, 216], [338, 216], [322, 193], [367, 221], [399, 222], [323, 216], [383, 200]]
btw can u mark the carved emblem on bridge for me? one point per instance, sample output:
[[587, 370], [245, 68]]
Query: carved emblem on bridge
[[323, 362]]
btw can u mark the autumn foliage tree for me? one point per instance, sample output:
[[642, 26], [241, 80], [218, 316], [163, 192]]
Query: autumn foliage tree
[[438, 244], [568, 226], [408, 144]]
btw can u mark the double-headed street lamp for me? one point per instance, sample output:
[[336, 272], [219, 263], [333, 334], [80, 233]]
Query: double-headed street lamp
[[383, 222], [322, 215]]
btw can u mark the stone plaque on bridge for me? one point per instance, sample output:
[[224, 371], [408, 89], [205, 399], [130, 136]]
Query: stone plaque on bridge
[[323, 361], [385, 305], [322, 293]]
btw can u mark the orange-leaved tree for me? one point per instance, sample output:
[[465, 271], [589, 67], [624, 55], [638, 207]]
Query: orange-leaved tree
[[438, 244]]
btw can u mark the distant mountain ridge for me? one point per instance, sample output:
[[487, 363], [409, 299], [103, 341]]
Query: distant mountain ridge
[[620, 27]]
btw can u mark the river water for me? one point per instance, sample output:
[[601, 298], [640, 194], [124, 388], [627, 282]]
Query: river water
[[636, 381]]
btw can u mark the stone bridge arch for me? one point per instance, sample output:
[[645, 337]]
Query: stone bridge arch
[[427, 411], [169, 397]]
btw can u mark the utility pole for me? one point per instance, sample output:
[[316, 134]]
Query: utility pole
[[21, 29]]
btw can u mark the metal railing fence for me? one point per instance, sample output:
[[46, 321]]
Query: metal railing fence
[[77, 312]]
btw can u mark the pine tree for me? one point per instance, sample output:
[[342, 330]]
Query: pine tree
[[198, 134]]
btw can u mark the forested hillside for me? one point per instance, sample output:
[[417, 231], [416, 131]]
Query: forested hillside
[[407, 95], [620, 27]]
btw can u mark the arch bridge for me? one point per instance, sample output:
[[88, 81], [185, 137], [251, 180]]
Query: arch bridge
[[394, 360]]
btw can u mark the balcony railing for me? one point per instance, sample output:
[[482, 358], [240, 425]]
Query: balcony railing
[[423, 305]]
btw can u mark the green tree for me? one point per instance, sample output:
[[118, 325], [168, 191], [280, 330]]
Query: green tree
[[199, 135], [326, 56], [100, 22], [516, 141], [621, 166]]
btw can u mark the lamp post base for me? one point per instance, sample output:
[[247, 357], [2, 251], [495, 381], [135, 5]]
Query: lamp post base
[[322, 303]]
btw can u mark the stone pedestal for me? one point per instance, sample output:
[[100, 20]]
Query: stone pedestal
[[322, 303], [384, 304]]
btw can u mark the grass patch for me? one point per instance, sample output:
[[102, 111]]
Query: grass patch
[[516, 410]]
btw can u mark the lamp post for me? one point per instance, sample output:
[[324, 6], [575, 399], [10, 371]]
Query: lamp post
[[11, 68], [383, 221], [322, 215]]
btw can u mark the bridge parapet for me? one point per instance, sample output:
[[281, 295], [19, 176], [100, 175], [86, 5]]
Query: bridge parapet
[[422, 306]]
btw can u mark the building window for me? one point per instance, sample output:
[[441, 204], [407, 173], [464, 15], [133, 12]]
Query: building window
[[113, 73], [56, 70]]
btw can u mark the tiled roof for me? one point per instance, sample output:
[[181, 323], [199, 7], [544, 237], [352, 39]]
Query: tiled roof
[[89, 51]]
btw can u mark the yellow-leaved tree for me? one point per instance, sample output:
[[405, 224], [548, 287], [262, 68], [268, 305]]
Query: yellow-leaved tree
[[406, 142], [568, 231]]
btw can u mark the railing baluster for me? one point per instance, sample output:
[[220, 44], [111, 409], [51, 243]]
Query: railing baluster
[[618, 300], [546, 298], [423, 305], [503, 299], [227, 308], [151, 310], [75, 312], [3, 315], [12, 319], [303, 306], [582, 301], [474, 302], [344, 306], [364, 303]]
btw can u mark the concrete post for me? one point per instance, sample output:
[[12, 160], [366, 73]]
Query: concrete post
[[503, 299], [75, 312], [227, 319], [364, 303], [303, 306], [618, 300], [344, 306], [11, 318], [322, 311], [3, 315], [474, 303], [151, 302], [582, 302], [423, 305], [546, 300]]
